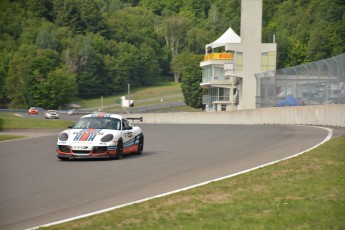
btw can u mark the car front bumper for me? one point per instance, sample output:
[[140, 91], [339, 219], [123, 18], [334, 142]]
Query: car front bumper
[[52, 116], [64, 151]]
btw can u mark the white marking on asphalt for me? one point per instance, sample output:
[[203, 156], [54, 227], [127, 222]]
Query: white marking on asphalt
[[329, 136]]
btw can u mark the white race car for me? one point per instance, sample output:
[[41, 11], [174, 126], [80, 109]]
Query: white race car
[[100, 136]]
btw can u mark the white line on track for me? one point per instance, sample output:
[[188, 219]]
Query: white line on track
[[329, 136]]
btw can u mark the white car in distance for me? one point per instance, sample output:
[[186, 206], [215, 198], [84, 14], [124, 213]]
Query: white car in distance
[[51, 114]]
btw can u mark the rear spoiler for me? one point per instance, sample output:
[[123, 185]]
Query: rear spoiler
[[135, 118]]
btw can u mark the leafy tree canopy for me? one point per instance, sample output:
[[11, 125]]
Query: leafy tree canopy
[[96, 47]]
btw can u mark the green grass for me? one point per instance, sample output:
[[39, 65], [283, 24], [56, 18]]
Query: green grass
[[10, 137], [10, 121], [167, 90], [176, 109], [306, 192]]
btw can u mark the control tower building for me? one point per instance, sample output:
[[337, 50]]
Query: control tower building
[[231, 61]]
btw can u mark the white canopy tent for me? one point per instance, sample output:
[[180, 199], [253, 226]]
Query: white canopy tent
[[228, 37]]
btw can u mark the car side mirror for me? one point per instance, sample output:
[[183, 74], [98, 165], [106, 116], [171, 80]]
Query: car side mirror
[[70, 126]]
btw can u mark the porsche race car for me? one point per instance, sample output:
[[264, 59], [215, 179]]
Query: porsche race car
[[100, 136]]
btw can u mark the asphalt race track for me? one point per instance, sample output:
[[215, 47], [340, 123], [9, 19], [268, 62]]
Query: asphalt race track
[[37, 188]]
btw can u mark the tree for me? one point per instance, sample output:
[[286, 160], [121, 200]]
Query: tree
[[319, 46], [3, 94], [58, 89], [150, 69], [127, 66], [228, 15], [48, 84], [178, 64], [195, 9], [93, 80], [7, 45], [17, 78], [78, 52], [110, 43], [197, 38], [73, 14], [297, 52], [11, 18], [90, 16], [213, 19], [44, 61], [134, 25], [110, 63], [191, 80], [174, 32], [155, 6], [50, 36], [41, 8]]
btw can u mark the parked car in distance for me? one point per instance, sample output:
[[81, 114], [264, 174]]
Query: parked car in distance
[[72, 112], [33, 110], [51, 114]]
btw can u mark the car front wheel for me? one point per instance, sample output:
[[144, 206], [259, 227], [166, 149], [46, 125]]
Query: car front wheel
[[141, 144], [119, 150], [62, 158]]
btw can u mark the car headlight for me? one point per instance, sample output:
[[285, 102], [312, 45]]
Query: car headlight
[[63, 137], [107, 138]]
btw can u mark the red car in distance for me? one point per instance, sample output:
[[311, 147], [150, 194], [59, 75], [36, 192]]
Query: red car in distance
[[33, 110]]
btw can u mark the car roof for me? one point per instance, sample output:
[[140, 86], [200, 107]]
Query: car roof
[[101, 115]]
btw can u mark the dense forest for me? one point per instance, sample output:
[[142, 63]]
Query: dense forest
[[52, 51]]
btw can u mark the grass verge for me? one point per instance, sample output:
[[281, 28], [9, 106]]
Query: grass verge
[[164, 90], [176, 109], [10, 137], [10, 121], [306, 192]]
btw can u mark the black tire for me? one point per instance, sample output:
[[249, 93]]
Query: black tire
[[141, 145], [62, 158], [119, 150]]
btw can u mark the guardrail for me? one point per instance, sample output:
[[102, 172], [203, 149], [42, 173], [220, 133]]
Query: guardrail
[[322, 115]]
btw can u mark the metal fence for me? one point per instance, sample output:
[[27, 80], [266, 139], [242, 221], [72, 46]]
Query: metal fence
[[320, 82]]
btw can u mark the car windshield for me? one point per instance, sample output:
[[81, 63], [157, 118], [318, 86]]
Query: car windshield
[[98, 123]]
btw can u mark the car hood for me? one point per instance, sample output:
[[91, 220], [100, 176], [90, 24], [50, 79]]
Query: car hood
[[87, 135]]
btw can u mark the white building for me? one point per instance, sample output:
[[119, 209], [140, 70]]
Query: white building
[[231, 61]]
